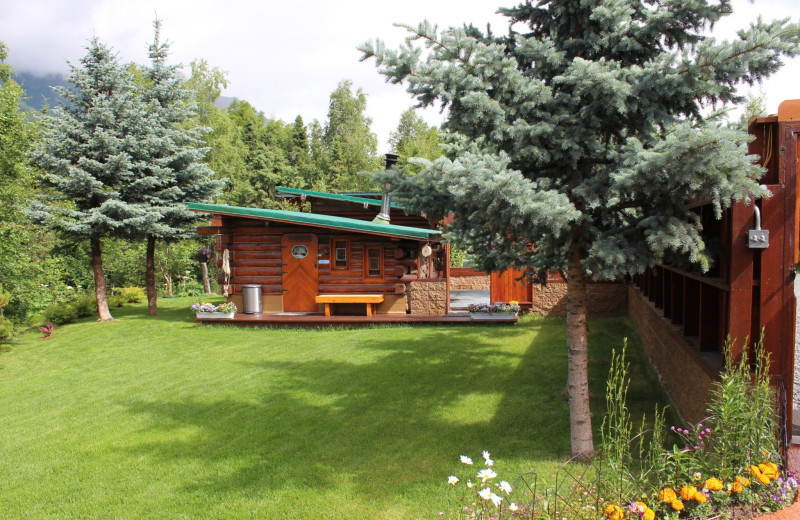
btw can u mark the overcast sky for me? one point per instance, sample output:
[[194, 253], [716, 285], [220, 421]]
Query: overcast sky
[[285, 57]]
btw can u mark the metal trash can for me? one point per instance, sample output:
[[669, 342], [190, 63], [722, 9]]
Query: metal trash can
[[251, 299]]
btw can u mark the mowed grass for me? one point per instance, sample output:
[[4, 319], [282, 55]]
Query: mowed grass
[[161, 418]]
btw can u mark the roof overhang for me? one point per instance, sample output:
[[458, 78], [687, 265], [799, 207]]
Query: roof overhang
[[320, 221], [303, 194]]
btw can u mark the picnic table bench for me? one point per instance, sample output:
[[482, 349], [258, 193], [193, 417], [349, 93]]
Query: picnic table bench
[[371, 300]]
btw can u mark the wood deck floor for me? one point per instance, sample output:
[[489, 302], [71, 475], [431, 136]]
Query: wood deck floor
[[320, 320]]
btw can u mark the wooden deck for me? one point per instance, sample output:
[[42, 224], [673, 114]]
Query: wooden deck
[[320, 320]]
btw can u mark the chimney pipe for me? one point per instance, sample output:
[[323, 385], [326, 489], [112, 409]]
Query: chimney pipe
[[386, 204]]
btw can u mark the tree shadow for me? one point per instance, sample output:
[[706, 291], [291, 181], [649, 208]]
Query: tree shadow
[[403, 417]]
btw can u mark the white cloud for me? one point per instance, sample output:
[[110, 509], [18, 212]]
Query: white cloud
[[284, 58]]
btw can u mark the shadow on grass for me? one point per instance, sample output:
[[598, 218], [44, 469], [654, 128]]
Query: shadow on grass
[[388, 423]]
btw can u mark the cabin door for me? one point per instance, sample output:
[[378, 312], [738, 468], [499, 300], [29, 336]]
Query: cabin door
[[300, 276]]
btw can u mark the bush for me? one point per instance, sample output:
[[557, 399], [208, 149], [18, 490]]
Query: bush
[[6, 329], [116, 301], [84, 305], [132, 294], [61, 313]]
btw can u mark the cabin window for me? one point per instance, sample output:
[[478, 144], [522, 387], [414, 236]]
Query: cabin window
[[374, 261], [341, 254]]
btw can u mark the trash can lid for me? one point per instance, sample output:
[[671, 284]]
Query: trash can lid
[[253, 286]]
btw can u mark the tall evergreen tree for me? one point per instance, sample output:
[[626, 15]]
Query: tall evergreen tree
[[580, 143], [267, 163], [169, 167], [414, 138], [350, 144], [87, 156]]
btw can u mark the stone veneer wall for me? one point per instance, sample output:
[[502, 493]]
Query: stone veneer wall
[[604, 299], [471, 283], [683, 374], [428, 297]]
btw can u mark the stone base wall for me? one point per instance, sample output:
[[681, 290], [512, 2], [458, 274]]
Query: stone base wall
[[683, 374], [428, 297], [471, 283], [604, 299]]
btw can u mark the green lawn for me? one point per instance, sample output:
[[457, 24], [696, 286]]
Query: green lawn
[[161, 418]]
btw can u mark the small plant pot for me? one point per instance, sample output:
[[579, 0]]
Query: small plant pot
[[216, 315]]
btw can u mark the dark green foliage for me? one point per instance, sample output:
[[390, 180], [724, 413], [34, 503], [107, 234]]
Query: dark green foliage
[[61, 313], [414, 138]]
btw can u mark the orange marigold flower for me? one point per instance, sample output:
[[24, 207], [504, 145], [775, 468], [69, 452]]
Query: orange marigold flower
[[677, 505], [667, 495], [614, 512], [737, 487], [649, 514], [700, 497], [744, 481], [688, 492], [713, 484]]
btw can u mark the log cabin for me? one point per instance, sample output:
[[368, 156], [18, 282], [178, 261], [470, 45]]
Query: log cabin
[[326, 264]]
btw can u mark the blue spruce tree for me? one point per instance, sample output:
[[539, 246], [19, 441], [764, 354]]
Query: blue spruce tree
[[168, 164], [87, 156], [578, 141]]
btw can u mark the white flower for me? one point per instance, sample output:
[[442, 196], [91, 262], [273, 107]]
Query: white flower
[[466, 460], [452, 480], [486, 474], [486, 455], [513, 507], [505, 487], [496, 499], [486, 494], [470, 484]]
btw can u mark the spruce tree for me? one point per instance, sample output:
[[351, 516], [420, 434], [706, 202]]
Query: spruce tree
[[168, 165], [579, 140], [87, 156]]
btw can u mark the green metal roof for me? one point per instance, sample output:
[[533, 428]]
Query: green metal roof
[[323, 221], [334, 196]]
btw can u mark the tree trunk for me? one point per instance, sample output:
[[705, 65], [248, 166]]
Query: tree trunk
[[99, 281], [580, 417], [150, 277], [206, 281]]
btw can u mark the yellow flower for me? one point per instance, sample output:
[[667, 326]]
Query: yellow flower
[[763, 479], [649, 514], [688, 492], [736, 488], [713, 484], [667, 495], [769, 470], [614, 512], [677, 505], [744, 481], [700, 497]]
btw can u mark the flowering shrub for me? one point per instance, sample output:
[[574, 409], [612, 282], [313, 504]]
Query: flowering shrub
[[486, 497], [510, 307], [724, 467], [210, 307]]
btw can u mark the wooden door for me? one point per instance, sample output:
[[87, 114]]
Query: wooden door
[[300, 276]]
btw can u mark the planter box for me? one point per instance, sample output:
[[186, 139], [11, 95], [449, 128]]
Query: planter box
[[216, 315], [492, 315]]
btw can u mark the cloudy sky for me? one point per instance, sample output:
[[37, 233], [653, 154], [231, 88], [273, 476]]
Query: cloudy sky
[[284, 57]]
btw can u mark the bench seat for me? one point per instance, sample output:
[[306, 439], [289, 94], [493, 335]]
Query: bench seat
[[371, 300]]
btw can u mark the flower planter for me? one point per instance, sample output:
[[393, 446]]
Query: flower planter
[[216, 315], [477, 316]]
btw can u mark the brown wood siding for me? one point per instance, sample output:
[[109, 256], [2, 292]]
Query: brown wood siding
[[255, 257]]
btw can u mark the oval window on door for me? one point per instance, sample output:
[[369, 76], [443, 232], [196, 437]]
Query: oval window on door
[[299, 251]]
